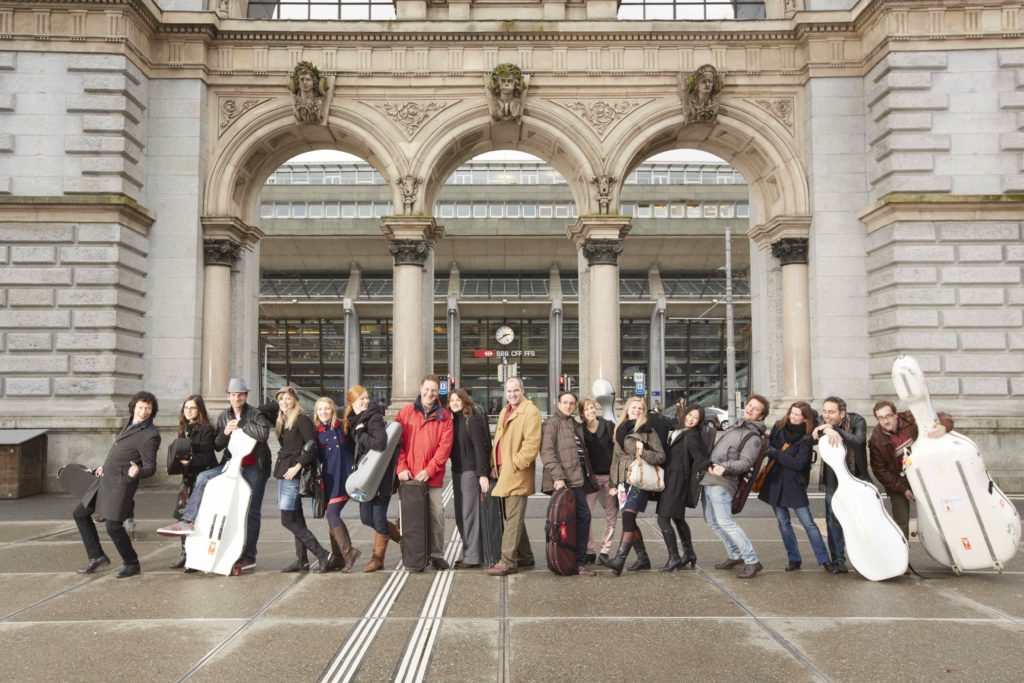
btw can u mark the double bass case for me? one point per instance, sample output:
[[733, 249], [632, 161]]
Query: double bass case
[[963, 520], [560, 532]]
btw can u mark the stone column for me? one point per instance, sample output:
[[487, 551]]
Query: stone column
[[410, 241], [219, 255], [796, 321], [600, 240]]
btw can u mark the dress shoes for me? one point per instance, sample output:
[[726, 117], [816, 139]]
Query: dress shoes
[[94, 564], [129, 570], [591, 558], [585, 571], [750, 571], [439, 563], [729, 564], [501, 569], [526, 564], [839, 567], [466, 565], [794, 566]]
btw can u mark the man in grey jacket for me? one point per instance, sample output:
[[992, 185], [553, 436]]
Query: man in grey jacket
[[732, 456]]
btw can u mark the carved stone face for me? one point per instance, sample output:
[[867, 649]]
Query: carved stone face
[[507, 85], [306, 84], [706, 83]]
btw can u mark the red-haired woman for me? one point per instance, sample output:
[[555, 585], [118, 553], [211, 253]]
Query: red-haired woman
[[785, 487], [191, 453]]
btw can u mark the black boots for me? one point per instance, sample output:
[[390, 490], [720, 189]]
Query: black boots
[[675, 563], [625, 545], [301, 563], [643, 561], [323, 556]]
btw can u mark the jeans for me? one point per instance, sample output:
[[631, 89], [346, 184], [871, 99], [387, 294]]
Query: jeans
[[192, 507], [374, 513], [288, 494], [836, 540], [789, 538], [91, 539], [718, 514], [582, 524]]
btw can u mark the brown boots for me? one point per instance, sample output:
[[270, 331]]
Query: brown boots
[[380, 545], [393, 533], [344, 554]]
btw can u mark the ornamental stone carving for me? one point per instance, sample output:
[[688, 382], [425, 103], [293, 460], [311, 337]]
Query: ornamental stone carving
[[700, 92], [409, 185], [601, 115], [790, 251], [409, 252], [602, 252], [505, 88], [221, 252], [603, 193], [232, 109], [781, 109], [411, 115], [309, 89]]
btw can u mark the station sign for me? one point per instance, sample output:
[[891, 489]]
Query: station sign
[[442, 387], [483, 353]]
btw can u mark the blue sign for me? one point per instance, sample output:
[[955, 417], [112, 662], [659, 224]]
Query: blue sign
[[640, 389], [656, 394], [443, 387]]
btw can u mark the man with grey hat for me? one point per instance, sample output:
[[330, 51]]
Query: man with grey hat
[[255, 469]]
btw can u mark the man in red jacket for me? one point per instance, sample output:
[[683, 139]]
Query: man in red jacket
[[427, 437]]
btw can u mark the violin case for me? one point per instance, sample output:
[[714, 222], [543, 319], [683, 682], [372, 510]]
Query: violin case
[[364, 481]]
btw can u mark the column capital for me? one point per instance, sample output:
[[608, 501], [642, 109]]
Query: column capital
[[412, 228], [409, 252], [790, 250], [779, 227], [598, 228], [231, 228], [602, 251], [220, 252]]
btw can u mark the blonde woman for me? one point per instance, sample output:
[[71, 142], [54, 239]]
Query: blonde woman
[[633, 438], [336, 460], [297, 437]]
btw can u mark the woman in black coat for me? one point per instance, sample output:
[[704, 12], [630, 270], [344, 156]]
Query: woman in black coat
[[364, 425], [785, 486], [687, 458], [189, 454], [299, 448], [471, 463], [112, 495]]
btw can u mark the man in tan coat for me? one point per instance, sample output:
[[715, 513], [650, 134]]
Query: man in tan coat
[[516, 445]]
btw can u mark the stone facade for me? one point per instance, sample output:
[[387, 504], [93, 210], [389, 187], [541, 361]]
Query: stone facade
[[885, 133]]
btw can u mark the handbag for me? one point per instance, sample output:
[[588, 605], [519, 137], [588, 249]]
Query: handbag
[[762, 476], [311, 485], [645, 476]]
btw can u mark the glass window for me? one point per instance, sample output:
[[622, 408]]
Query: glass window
[[463, 210], [332, 177], [529, 210], [726, 210], [676, 177], [628, 209], [742, 210], [725, 176], [643, 176], [299, 177], [463, 176], [316, 210], [446, 210], [495, 210], [347, 177], [678, 210], [561, 210], [708, 177], [572, 210], [693, 209], [282, 210], [631, 179], [530, 176], [710, 210], [479, 210], [659, 176], [316, 177], [266, 210], [692, 177], [381, 209], [331, 210], [512, 209], [545, 211], [643, 211], [364, 210], [549, 176], [364, 177], [661, 210], [348, 209], [479, 176]]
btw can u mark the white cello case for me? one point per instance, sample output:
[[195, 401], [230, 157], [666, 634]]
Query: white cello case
[[964, 521], [219, 536], [874, 543], [362, 483]]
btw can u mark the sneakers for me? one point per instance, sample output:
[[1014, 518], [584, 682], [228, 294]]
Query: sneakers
[[243, 564], [177, 529]]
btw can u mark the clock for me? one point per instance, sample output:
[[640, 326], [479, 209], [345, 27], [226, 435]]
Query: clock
[[504, 335]]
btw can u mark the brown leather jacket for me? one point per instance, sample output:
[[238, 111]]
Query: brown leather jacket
[[558, 451], [886, 463]]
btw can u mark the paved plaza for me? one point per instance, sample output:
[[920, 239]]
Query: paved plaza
[[56, 625]]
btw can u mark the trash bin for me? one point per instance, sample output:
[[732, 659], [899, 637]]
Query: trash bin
[[22, 462]]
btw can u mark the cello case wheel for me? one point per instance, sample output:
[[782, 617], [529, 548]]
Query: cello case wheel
[[957, 570], [998, 566]]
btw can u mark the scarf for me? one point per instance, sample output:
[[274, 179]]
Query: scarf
[[622, 431]]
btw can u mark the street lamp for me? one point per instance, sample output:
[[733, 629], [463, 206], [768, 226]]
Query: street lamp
[[730, 333]]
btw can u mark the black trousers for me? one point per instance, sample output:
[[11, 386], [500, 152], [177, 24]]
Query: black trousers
[[91, 538]]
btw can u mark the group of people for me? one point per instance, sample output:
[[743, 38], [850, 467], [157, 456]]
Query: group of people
[[591, 456]]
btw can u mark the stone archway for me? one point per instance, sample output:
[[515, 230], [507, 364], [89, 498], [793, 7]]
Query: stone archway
[[764, 148]]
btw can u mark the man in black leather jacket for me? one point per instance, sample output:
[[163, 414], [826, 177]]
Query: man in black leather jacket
[[852, 430]]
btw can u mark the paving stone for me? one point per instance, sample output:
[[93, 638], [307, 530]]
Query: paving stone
[[467, 650]]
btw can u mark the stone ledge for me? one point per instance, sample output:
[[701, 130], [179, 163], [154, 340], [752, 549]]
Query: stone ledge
[[105, 208], [924, 207]]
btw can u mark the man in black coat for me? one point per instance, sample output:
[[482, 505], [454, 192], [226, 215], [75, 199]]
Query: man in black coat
[[112, 495], [255, 469], [852, 429]]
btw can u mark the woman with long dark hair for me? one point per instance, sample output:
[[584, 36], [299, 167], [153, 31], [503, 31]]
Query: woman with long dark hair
[[634, 438], [785, 486], [336, 460], [471, 463], [299, 449], [687, 458], [597, 435], [364, 426], [191, 453]]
